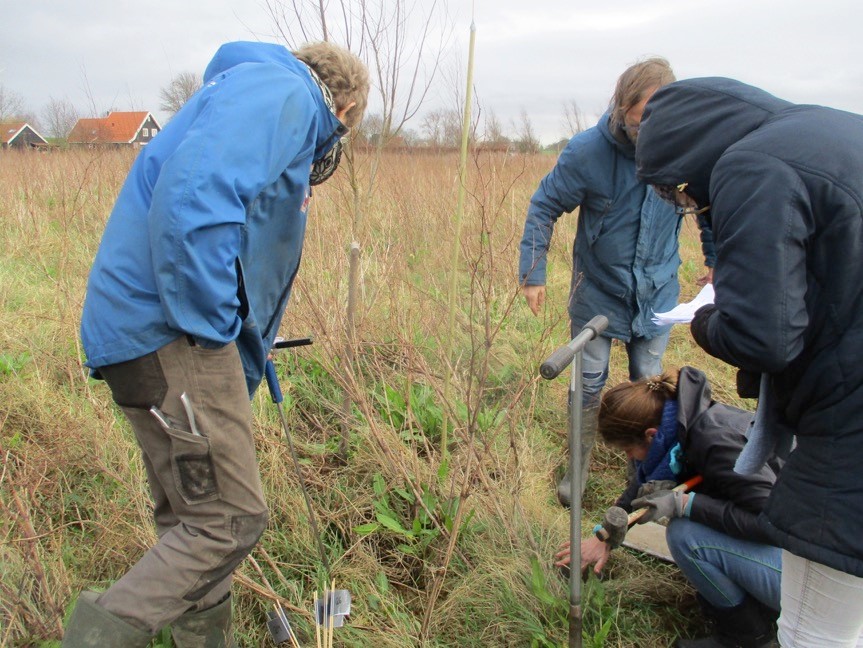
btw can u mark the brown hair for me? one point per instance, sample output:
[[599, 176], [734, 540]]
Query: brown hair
[[631, 86], [343, 73], [628, 409]]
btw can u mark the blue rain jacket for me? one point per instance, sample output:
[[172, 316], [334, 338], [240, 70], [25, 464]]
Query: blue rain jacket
[[625, 256], [206, 234]]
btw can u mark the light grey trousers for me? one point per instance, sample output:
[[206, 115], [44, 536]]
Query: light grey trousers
[[822, 607], [208, 502]]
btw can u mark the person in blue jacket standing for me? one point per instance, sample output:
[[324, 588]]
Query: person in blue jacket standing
[[183, 303], [625, 255]]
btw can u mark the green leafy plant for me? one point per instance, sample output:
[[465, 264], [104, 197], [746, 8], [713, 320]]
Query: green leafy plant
[[12, 364], [417, 417], [597, 615], [554, 609], [398, 512]]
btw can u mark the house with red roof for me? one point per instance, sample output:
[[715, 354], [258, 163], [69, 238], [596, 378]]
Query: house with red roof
[[20, 135], [116, 129]]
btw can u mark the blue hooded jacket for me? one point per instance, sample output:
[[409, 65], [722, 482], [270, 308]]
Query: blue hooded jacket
[[206, 235], [625, 255]]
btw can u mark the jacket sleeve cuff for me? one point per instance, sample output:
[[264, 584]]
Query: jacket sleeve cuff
[[688, 510], [748, 383], [700, 327]]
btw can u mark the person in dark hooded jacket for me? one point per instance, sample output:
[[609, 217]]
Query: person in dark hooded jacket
[[183, 303], [784, 188]]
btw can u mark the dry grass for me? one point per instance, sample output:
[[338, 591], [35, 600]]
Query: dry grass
[[74, 509]]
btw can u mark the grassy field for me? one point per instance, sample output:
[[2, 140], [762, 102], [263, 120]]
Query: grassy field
[[434, 554]]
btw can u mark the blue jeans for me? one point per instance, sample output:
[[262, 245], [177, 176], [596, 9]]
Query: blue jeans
[[725, 569], [645, 359]]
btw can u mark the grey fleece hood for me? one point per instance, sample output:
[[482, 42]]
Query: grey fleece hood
[[688, 125]]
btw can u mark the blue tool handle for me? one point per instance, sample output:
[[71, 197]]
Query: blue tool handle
[[273, 381]]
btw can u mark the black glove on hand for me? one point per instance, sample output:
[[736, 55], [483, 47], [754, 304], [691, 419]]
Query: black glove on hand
[[748, 383], [656, 485], [659, 505], [698, 327]]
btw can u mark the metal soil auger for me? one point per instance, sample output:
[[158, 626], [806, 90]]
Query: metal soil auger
[[331, 609], [571, 353]]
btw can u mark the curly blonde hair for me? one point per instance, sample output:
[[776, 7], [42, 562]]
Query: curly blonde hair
[[343, 73]]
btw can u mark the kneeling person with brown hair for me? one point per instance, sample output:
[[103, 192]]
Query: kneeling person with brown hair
[[674, 431]]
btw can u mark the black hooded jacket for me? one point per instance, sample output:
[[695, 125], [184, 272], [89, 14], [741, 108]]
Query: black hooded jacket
[[711, 437], [785, 185]]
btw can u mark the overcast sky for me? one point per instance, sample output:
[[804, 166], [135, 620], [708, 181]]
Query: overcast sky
[[531, 55]]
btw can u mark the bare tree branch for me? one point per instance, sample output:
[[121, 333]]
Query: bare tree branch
[[526, 139], [401, 41], [573, 118], [179, 91], [12, 105], [59, 117]]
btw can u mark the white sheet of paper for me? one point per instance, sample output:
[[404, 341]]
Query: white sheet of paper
[[683, 313]]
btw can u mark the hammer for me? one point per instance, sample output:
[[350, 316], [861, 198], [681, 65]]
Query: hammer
[[616, 521]]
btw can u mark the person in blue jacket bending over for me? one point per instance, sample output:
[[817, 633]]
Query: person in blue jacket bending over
[[625, 256], [183, 303]]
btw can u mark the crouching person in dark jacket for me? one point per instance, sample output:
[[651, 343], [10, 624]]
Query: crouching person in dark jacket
[[784, 187], [183, 304], [674, 431]]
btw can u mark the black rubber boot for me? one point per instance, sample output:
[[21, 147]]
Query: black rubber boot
[[210, 628], [747, 625]]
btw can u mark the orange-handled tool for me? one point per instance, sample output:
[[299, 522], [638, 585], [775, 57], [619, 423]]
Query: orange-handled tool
[[603, 534]]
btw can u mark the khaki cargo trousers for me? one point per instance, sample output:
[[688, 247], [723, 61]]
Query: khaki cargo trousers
[[208, 502]]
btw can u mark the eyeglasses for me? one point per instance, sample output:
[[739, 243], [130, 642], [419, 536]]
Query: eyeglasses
[[671, 195]]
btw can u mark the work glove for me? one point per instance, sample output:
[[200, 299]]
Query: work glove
[[656, 485], [661, 504]]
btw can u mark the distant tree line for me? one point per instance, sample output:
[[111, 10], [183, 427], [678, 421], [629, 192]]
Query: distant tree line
[[441, 128], [437, 128]]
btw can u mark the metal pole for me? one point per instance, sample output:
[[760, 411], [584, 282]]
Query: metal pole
[[551, 368], [575, 407]]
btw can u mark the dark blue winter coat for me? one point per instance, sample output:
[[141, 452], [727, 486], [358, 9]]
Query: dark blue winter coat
[[785, 183], [206, 234], [625, 256]]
